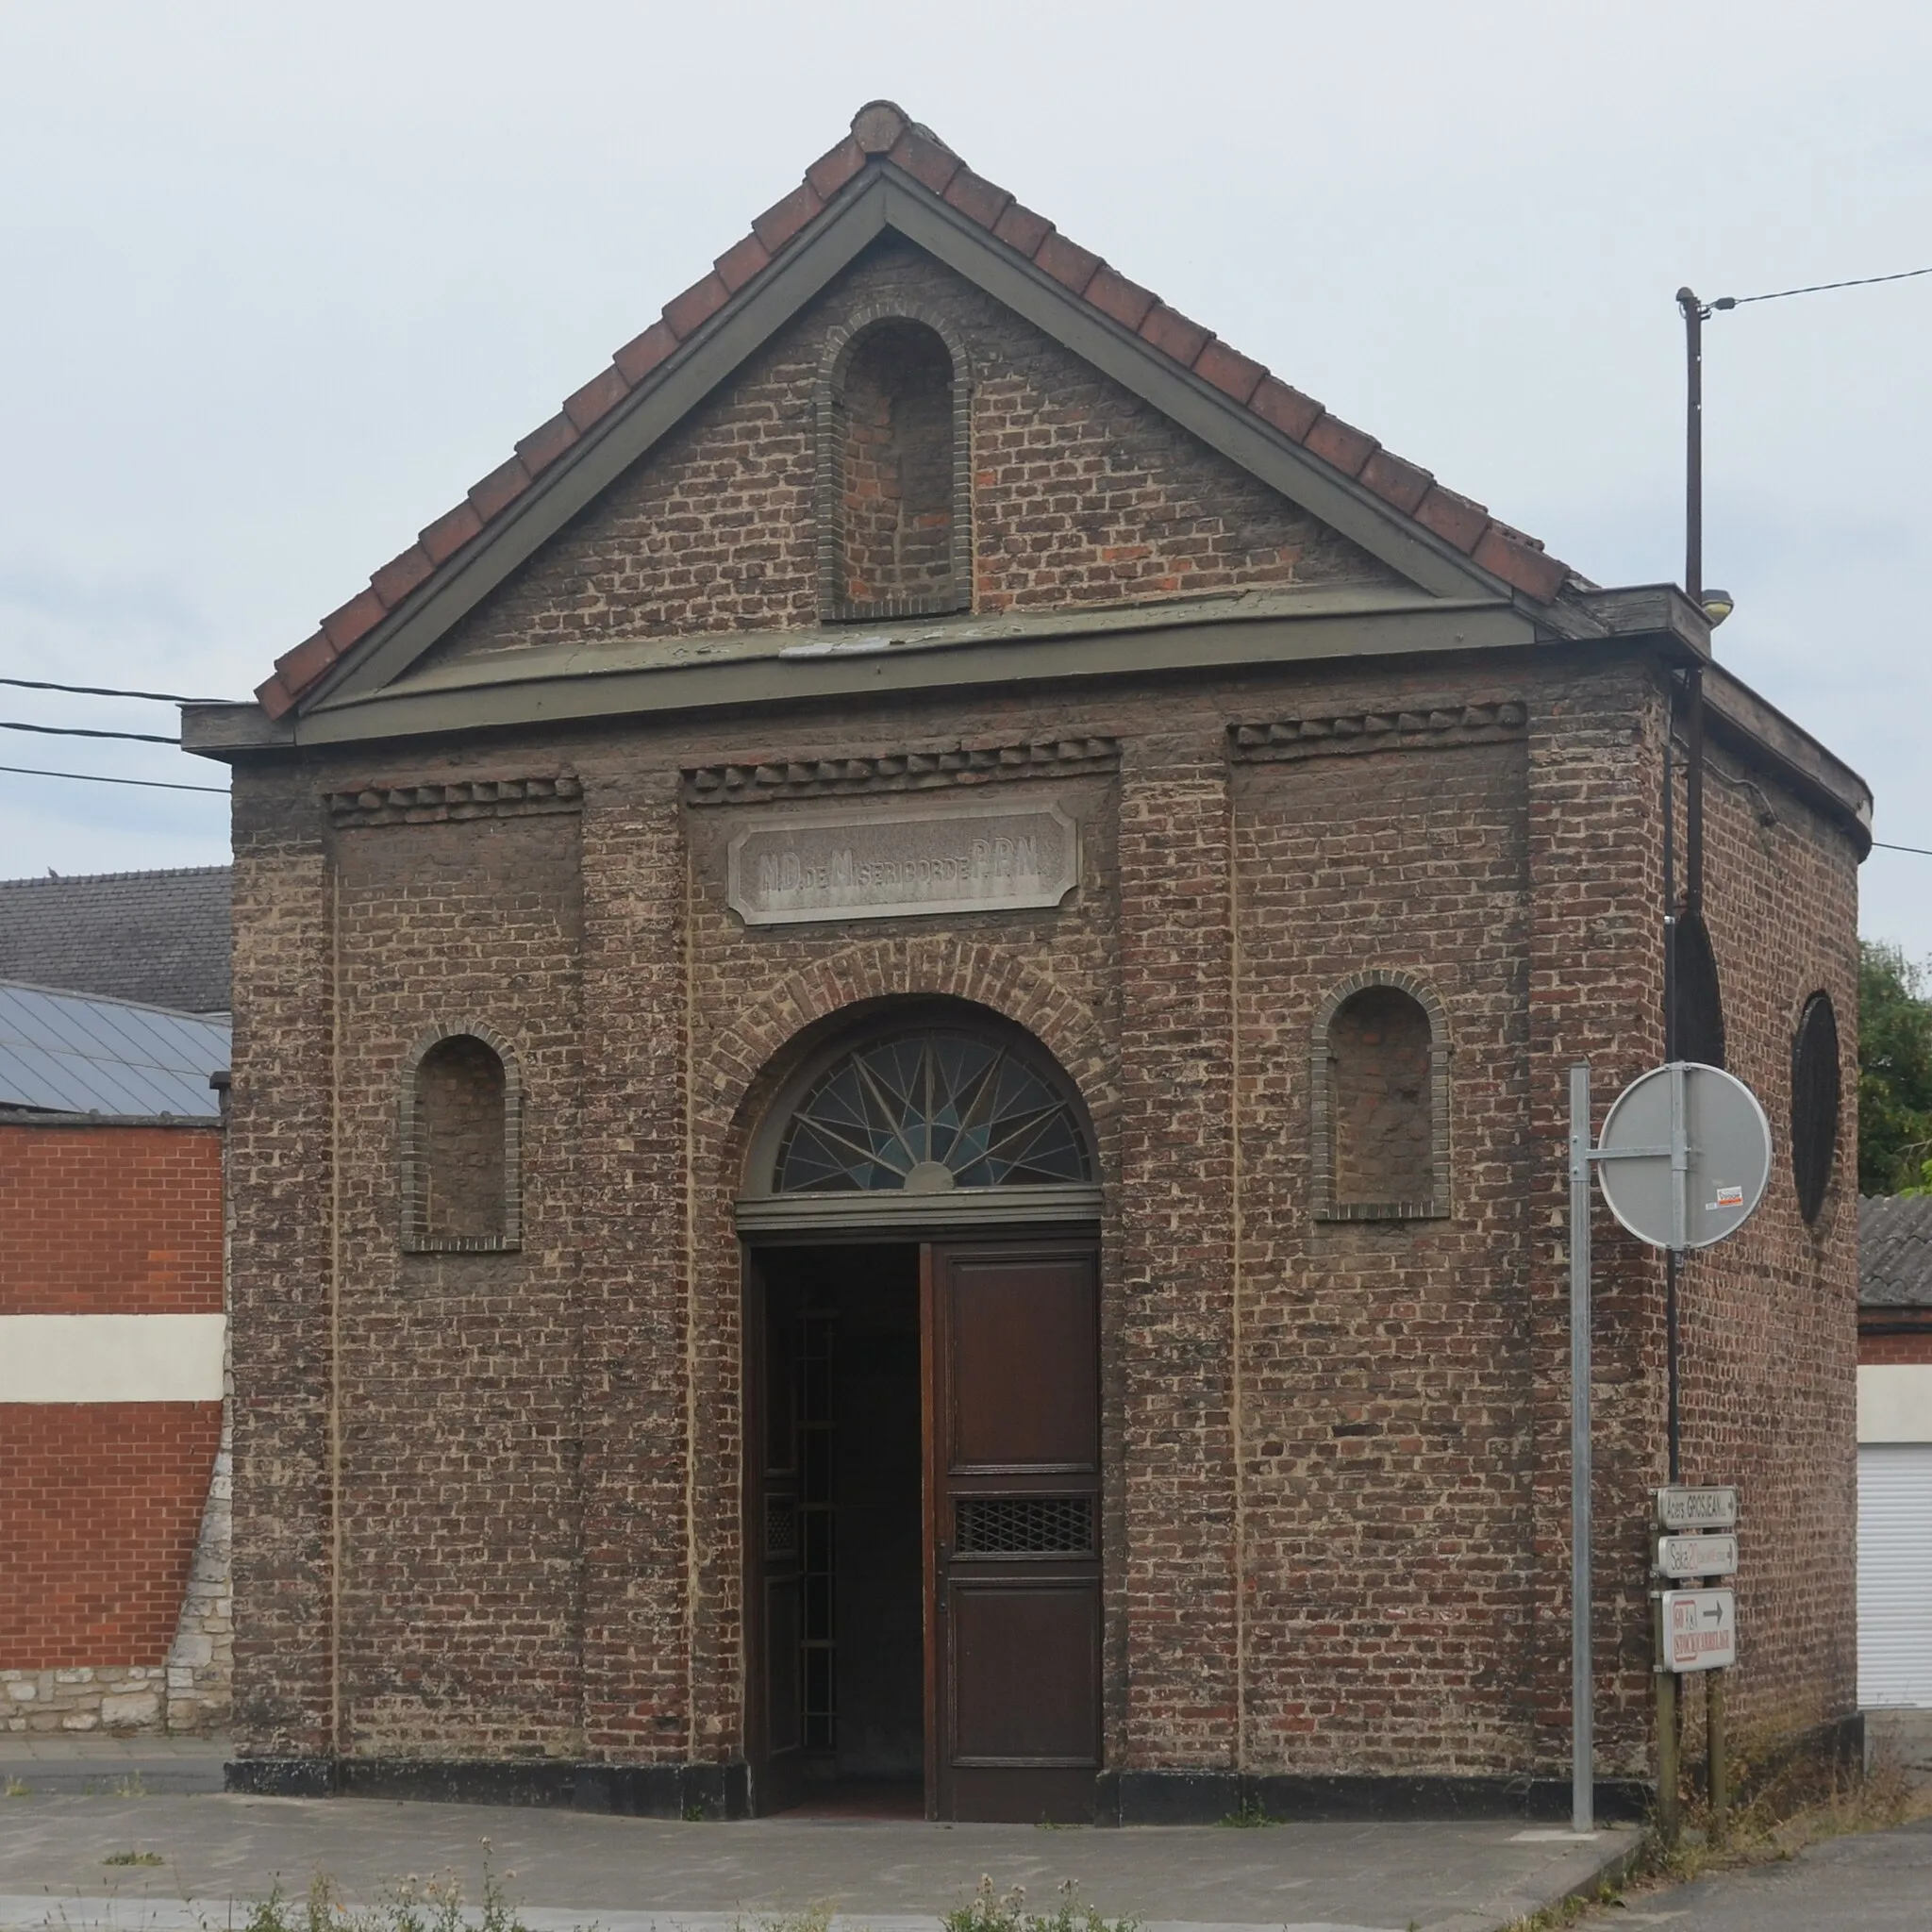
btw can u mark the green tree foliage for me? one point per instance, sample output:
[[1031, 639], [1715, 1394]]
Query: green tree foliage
[[1895, 1073]]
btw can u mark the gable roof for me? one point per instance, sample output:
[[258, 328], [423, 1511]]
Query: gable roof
[[158, 938], [884, 145], [1894, 1251]]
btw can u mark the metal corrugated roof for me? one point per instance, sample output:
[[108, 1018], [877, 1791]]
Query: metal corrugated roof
[[73, 1053]]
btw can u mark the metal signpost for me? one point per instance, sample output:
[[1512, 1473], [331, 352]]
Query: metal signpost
[[1683, 1162]]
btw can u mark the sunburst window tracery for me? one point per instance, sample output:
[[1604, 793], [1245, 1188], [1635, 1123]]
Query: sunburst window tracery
[[930, 1111]]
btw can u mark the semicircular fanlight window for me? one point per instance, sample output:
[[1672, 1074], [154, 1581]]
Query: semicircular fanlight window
[[929, 1111]]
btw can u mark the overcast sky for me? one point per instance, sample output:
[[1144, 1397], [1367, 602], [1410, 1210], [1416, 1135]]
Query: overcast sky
[[280, 282]]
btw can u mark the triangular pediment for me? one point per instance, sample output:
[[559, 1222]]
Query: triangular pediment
[[892, 184]]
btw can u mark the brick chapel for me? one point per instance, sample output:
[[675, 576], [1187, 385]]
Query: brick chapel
[[902, 1006]]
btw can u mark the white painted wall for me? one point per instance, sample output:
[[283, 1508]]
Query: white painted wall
[[112, 1358], [1895, 1402]]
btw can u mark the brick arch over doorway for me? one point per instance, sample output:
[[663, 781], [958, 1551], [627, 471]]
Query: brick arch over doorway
[[744, 1067]]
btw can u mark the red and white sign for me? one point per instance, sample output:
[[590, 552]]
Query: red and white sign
[[1700, 1630]]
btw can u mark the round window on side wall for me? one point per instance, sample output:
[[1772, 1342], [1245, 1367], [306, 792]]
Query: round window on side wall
[[1815, 1099]]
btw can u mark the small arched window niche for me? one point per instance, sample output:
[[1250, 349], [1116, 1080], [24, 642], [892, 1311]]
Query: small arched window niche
[[1379, 1094], [462, 1145], [894, 469]]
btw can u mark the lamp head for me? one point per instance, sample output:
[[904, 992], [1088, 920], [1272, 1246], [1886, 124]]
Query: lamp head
[[1717, 605]]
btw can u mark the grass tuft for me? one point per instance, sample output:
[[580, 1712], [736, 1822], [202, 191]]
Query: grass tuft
[[992, 1910], [434, 1905], [1249, 1815]]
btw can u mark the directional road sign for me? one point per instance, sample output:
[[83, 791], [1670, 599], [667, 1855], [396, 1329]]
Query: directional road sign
[[1709, 1508], [1697, 1556], [1684, 1156], [1700, 1630]]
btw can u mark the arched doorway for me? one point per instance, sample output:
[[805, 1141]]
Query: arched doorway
[[923, 1442]]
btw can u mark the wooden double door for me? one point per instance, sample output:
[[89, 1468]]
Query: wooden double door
[[923, 1496]]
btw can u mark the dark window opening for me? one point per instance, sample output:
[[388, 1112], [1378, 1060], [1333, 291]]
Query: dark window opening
[[1816, 1096], [896, 490], [1380, 1067], [461, 1152], [1700, 1016]]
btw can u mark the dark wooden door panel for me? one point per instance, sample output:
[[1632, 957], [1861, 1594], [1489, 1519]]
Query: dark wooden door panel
[[1013, 1490], [1027, 1658], [1024, 1364]]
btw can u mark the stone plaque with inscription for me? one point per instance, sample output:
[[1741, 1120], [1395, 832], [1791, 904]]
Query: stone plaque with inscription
[[893, 861]]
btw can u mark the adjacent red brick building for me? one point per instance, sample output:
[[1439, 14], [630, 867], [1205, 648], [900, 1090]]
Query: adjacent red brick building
[[113, 1513], [902, 1009]]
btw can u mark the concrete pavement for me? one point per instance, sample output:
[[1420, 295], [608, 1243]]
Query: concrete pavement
[[1877, 1881], [645, 1876]]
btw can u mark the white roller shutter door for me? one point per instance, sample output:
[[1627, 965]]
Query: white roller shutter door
[[1895, 1574]]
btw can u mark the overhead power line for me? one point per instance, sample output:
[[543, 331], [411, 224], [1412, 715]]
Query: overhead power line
[[108, 691], [1820, 287], [97, 778], [1923, 850], [84, 731]]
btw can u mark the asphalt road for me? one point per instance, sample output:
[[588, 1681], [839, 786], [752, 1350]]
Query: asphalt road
[[1879, 1881]]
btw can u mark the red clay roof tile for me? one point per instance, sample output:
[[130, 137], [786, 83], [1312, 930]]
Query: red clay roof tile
[[834, 168], [643, 353], [1394, 481], [355, 619], [298, 669], [1228, 370], [1285, 409], [1112, 293], [401, 574], [1456, 518], [1021, 228], [597, 397], [546, 442], [786, 217], [1173, 334], [451, 531], [276, 698], [882, 129], [1067, 261], [496, 491], [739, 264], [1340, 444], [929, 162], [1527, 566], [697, 304], [976, 198]]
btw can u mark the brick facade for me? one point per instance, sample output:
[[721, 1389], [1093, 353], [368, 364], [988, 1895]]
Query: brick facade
[[113, 1514], [122, 1219], [489, 1505]]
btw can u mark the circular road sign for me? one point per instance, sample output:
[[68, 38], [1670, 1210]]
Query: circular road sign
[[1727, 1155]]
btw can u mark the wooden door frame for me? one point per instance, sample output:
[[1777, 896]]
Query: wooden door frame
[[1075, 1231]]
